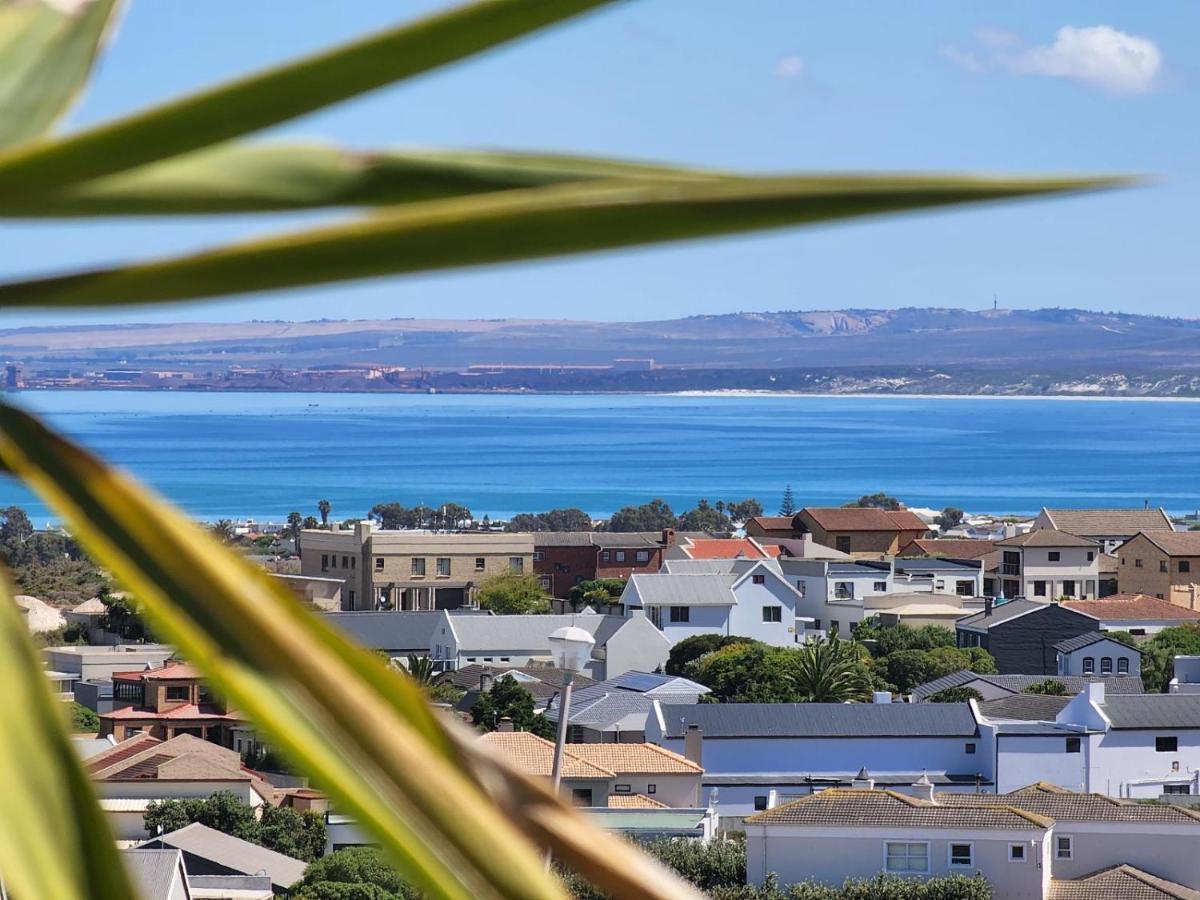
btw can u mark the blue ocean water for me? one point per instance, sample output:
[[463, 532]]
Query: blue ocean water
[[261, 455]]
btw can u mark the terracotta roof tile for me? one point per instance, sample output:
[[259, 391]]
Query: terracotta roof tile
[[648, 759], [853, 806], [633, 801], [1175, 543], [1046, 537], [1131, 606], [726, 548], [862, 518], [947, 547], [1064, 805], [1108, 522], [122, 751], [1122, 882], [534, 755]]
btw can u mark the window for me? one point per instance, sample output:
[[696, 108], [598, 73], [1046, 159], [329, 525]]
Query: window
[[345, 562], [178, 692], [443, 566], [907, 856], [833, 626], [1137, 563], [1162, 565], [1176, 789], [1123, 666], [760, 802], [620, 556], [1011, 563], [1106, 666], [546, 582], [480, 563], [538, 555], [969, 749], [772, 613], [333, 561], [1062, 847], [1074, 744], [418, 565], [605, 555], [651, 788], [1089, 665], [962, 854], [1069, 588], [759, 579], [964, 588], [622, 789], [681, 613], [1091, 555], [1054, 556], [379, 564], [1166, 744], [817, 624], [800, 586], [352, 599], [842, 543], [324, 562], [1185, 565], [643, 556], [516, 564], [353, 560], [1016, 853], [582, 796], [881, 587], [843, 590], [1039, 589]]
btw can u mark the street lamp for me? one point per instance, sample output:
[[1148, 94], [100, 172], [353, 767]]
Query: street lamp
[[571, 648]]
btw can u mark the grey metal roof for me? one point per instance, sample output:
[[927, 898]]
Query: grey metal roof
[[1153, 710], [1086, 640], [685, 590], [937, 564], [607, 709], [737, 565], [1026, 707], [232, 853], [666, 688], [395, 631], [1006, 612], [1117, 684], [841, 779], [858, 570], [821, 720], [153, 872], [479, 634]]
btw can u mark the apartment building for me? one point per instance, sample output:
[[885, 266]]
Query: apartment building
[[1021, 634], [410, 570], [167, 702], [1165, 565], [563, 559], [1047, 564]]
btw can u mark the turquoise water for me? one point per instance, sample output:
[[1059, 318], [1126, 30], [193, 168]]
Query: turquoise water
[[261, 455]]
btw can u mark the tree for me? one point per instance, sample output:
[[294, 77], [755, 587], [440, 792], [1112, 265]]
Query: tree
[[598, 592], [743, 510], [421, 669], [903, 637], [452, 515], [878, 500], [747, 673], [653, 516], [1050, 686], [310, 522], [950, 517], [512, 594], [298, 835], [788, 506], [959, 694], [694, 647], [223, 529], [324, 507], [831, 672], [390, 516], [905, 669], [705, 518], [1158, 659], [567, 519], [507, 699], [356, 873], [294, 524], [83, 719], [15, 530]]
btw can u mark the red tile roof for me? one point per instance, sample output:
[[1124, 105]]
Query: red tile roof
[[947, 547], [728, 548], [127, 748], [864, 518], [187, 711], [1132, 607], [171, 670]]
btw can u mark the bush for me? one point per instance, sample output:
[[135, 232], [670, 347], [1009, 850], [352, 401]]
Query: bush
[[1050, 686], [692, 648], [83, 719], [300, 835], [956, 695], [356, 873]]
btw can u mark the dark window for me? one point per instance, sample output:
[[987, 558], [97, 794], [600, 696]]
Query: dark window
[[760, 802], [1054, 556], [1185, 565], [480, 563], [1039, 589], [178, 692], [345, 562], [1137, 563], [379, 564], [622, 789], [582, 796], [842, 543], [324, 561], [1069, 588], [881, 587], [759, 579], [964, 588], [1162, 565], [969, 748], [1166, 744], [1074, 744], [1062, 847], [1089, 665], [681, 613], [772, 613], [1176, 789], [1123, 666], [651, 788], [961, 855], [353, 560], [1016, 853], [1091, 555], [538, 556], [333, 561], [1106, 667], [605, 555]]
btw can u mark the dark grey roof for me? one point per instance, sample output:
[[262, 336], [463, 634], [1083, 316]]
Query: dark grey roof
[[1086, 640], [937, 563], [395, 631], [232, 853], [153, 872], [821, 720], [1009, 610], [1026, 707], [607, 709], [1153, 710], [841, 779], [860, 569], [1119, 684]]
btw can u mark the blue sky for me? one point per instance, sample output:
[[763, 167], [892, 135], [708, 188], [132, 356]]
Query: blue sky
[[772, 85]]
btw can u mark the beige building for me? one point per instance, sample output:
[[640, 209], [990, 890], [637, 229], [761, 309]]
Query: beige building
[[410, 570], [1162, 564]]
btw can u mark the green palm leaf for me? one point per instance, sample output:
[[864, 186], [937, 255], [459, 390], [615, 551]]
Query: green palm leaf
[[360, 729], [54, 841], [276, 95], [46, 54], [516, 225]]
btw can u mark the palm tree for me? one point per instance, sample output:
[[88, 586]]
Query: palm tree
[[831, 672], [223, 528], [294, 521], [420, 669], [323, 507]]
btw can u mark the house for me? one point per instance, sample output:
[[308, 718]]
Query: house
[[562, 559], [543, 683], [207, 851], [140, 770], [1021, 634], [622, 644], [995, 687], [1094, 653], [774, 528], [165, 702], [743, 596], [616, 710], [831, 590], [1162, 564], [751, 751], [157, 874], [99, 663], [604, 774], [687, 547], [410, 570], [1107, 527], [1046, 564], [861, 531], [946, 548], [1138, 614], [939, 575], [1039, 842], [915, 609], [398, 634]]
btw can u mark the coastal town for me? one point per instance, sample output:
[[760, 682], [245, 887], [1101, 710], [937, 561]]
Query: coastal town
[[992, 706]]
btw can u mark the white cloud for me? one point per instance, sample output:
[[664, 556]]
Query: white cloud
[[1102, 56], [790, 67], [1099, 56]]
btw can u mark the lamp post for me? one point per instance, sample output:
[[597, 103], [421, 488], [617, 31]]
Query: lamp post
[[571, 648]]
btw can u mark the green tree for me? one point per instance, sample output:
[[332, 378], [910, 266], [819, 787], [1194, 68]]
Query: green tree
[[903, 637], [284, 830], [310, 522], [567, 519], [1124, 637], [878, 500], [324, 507], [356, 873], [959, 694], [15, 530], [747, 673], [83, 719], [421, 669], [511, 594], [1050, 686], [390, 516], [1158, 659], [692, 648], [223, 529], [950, 517], [705, 518], [743, 510], [905, 669], [294, 523], [787, 506], [653, 516], [831, 672], [507, 699], [598, 592], [300, 835]]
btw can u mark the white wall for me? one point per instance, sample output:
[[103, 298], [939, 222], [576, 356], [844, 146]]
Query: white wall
[[1124, 763], [1024, 759], [1072, 663], [1073, 565]]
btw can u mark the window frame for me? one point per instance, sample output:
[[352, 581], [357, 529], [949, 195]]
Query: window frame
[[480, 563], [1054, 556], [679, 615], [620, 556], [907, 870], [416, 567], [1106, 665], [643, 556], [1058, 847], [1073, 745], [379, 564], [760, 802], [516, 564], [772, 613], [758, 578], [1185, 565], [449, 565], [1089, 665], [969, 864], [969, 748], [1017, 845], [1122, 665], [1161, 742]]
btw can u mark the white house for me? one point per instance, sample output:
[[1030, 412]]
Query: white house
[[832, 591], [1096, 654], [1046, 565], [616, 710], [748, 597], [938, 575]]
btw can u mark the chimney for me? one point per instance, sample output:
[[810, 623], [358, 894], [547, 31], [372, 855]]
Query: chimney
[[922, 789], [987, 606], [668, 537], [505, 724], [1095, 692], [485, 682], [881, 697], [863, 780], [693, 744]]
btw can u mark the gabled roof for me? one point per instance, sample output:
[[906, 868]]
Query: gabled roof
[[736, 720], [533, 755], [1070, 645], [542, 682], [859, 518], [397, 631], [851, 806], [90, 607], [634, 801], [1009, 610], [1123, 684], [1153, 710], [1026, 707], [168, 671], [118, 752], [1175, 543], [1046, 537], [1063, 805], [1111, 523], [700, 589], [232, 853], [727, 548], [479, 634], [1121, 882], [154, 873], [623, 710], [952, 548], [772, 523]]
